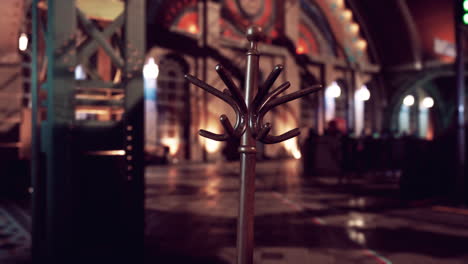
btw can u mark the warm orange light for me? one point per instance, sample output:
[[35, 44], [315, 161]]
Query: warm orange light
[[172, 143], [93, 111], [291, 147], [340, 3], [301, 46], [193, 29], [347, 14], [118, 152], [212, 146], [354, 28], [361, 44], [300, 50]]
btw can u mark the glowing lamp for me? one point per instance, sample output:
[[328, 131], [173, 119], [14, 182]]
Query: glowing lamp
[[363, 94], [361, 44], [193, 29], [151, 69], [354, 28], [23, 42], [300, 50], [409, 100], [333, 91], [427, 102], [347, 14]]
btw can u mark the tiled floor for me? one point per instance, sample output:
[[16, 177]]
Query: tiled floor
[[191, 218], [15, 239]]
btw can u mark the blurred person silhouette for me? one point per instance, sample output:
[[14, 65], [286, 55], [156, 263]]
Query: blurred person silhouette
[[349, 158], [332, 140], [309, 149]]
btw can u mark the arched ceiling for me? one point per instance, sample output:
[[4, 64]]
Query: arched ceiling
[[403, 32], [388, 30]]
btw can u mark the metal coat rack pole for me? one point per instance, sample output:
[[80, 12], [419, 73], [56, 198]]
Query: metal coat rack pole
[[250, 111]]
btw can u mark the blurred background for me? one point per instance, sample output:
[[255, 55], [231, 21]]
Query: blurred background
[[101, 161]]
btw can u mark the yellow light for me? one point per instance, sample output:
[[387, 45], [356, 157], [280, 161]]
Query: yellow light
[[354, 28], [347, 14], [361, 44], [340, 3], [193, 29], [92, 111], [172, 143], [300, 49], [212, 146], [291, 147], [119, 152], [23, 42], [103, 9]]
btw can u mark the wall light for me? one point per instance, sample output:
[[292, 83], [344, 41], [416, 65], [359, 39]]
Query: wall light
[[427, 102], [361, 44], [300, 49], [333, 91], [151, 69], [347, 14], [363, 93], [193, 29], [354, 28], [80, 74], [409, 100], [23, 42]]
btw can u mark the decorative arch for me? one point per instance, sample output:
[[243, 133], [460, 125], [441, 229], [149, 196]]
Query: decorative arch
[[173, 105], [187, 20], [339, 29], [313, 12], [420, 80], [307, 42], [237, 15], [169, 13]]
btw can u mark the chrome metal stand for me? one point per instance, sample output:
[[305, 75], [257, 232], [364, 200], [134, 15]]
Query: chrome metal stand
[[250, 112]]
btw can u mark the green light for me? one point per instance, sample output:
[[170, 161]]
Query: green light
[[465, 5], [465, 19]]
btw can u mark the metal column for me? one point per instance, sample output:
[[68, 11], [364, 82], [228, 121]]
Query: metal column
[[249, 126], [56, 130], [135, 42]]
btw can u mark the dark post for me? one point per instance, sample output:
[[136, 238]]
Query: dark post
[[249, 125], [248, 152], [61, 27], [134, 128], [460, 72], [36, 195]]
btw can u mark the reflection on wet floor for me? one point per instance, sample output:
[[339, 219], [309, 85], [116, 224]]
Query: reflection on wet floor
[[191, 218]]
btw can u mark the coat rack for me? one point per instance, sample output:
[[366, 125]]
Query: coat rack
[[249, 127]]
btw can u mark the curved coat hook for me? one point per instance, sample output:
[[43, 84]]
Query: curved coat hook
[[265, 101], [233, 97]]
